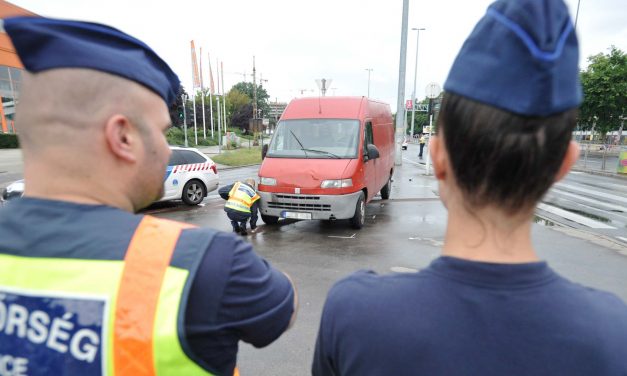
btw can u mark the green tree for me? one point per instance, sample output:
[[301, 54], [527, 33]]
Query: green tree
[[235, 99], [605, 91], [421, 119], [262, 95]]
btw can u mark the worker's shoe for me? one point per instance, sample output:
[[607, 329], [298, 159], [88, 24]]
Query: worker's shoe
[[237, 230], [242, 231]]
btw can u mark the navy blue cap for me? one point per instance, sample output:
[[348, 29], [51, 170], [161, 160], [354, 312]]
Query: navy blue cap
[[522, 57], [44, 43]]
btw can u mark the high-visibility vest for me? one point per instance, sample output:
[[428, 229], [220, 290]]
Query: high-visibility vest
[[61, 316], [241, 197]]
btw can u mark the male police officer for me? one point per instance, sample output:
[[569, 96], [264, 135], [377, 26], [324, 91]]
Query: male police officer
[[242, 205], [86, 287], [488, 306]]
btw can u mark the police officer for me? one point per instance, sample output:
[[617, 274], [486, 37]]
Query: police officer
[[488, 305], [242, 205], [422, 141], [87, 287]]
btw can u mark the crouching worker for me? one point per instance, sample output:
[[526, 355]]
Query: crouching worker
[[242, 204]]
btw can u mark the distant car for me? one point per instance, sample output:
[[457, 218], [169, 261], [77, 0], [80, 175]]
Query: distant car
[[190, 176], [13, 190], [404, 144]]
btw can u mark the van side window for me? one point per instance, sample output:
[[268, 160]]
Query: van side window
[[368, 139]]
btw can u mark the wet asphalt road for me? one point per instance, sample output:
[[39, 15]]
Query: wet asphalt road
[[404, 234], [401, 234]]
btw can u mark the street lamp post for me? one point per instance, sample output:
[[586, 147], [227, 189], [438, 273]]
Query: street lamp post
[[413, 96], [369, 70]]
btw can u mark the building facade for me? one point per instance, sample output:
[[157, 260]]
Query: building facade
[[11, 70]]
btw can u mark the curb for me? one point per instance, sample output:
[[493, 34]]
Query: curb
[[225, 167]]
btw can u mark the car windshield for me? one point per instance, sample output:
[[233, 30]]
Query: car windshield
[[316, 139]]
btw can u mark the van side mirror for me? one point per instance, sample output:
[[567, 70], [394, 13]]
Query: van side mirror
[[264, 151], [372, 152]]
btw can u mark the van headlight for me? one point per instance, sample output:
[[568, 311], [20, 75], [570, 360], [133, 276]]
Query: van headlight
[[340, 183], [267, 181]]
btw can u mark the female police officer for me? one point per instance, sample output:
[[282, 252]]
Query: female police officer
[[488, 306]]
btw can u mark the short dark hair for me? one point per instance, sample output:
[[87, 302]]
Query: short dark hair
[[501, 158]]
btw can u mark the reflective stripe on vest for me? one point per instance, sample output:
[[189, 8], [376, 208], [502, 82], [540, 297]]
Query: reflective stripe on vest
[[241, 198], [140, 285]]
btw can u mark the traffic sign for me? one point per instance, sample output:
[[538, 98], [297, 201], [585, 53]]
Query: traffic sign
[[408, 104]]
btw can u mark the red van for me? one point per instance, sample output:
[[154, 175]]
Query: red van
[[328, 157]]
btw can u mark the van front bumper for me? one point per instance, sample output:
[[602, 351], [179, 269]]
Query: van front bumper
[[289, 205]]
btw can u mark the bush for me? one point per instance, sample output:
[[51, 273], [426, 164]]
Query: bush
[[176, 136], [8, 141]]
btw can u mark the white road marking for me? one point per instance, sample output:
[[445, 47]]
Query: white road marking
[[574, 217], [436, 243], [596, 202], [343, 237], [402, 269], [410, 161], [622, 238], [592, 192]]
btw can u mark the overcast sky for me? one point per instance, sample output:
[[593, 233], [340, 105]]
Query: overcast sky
[[296, 42]]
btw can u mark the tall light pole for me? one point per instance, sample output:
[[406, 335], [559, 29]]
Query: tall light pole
[[369, 70], [577, 14], [400, 96], [413, 95]]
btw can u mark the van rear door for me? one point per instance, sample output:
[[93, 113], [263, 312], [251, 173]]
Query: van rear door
[[370, 166]]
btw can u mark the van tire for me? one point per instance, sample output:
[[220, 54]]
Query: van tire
[[387, 189], [269, 219], [359, 218]]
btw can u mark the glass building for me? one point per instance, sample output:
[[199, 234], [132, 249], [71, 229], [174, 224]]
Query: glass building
[[11, 70]]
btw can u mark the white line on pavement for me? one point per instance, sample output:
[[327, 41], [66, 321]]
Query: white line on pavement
[[596, 202], [592, 192], [574, 217], [343, 237]]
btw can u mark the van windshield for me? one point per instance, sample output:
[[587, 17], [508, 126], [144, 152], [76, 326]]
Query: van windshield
[[315, 139]]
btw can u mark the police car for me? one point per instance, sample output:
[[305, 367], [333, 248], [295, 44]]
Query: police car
[[190, 175]]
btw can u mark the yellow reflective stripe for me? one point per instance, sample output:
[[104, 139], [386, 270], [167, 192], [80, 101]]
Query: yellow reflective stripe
[[237, 206]]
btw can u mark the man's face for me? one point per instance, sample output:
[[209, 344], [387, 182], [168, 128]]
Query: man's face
[[154, 162]]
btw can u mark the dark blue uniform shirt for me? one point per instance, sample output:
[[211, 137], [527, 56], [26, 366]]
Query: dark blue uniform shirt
[[459, 317], [235, 294]]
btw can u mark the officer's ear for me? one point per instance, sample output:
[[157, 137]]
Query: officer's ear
[[439, 157], [571, 156], [121, 137]]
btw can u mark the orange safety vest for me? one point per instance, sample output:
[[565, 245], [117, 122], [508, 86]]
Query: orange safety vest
[[138, 294]]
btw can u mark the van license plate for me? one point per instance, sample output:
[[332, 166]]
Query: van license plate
[[295, 215]]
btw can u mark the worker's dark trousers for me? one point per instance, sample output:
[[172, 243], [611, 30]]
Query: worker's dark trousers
[[238, 219], [422, 146]]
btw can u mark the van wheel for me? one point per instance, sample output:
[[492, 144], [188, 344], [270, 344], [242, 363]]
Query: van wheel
[[269, 220], [193, 192], [359, 218], [387, 188]]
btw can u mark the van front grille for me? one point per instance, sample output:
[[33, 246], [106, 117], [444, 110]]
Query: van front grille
[[299, 206], [293, 197]]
